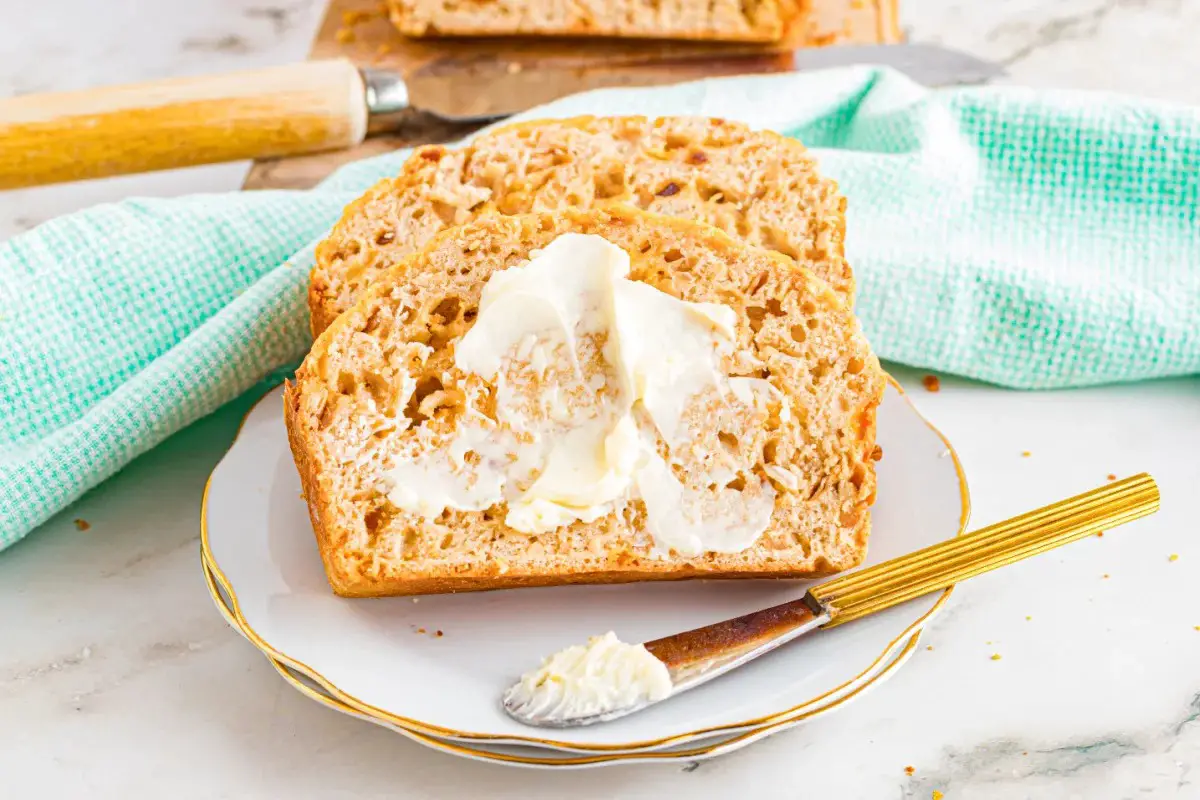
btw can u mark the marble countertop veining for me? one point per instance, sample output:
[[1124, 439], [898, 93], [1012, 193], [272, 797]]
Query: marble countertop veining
[[119, 680]]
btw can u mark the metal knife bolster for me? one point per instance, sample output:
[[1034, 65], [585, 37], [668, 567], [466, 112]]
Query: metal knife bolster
[[386, 95], [697, 656]]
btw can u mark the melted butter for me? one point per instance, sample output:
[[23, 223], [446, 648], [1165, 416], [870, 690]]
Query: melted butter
[[594, 374]]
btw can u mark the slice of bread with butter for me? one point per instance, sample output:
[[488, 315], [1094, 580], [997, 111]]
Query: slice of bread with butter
[[586, 396], [757, 186]]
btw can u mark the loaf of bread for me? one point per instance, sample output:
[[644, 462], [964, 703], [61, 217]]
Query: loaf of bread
[[382, 382], [754, 185], [715, 20]]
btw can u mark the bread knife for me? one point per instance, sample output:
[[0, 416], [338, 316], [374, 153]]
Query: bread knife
[[326, 105]]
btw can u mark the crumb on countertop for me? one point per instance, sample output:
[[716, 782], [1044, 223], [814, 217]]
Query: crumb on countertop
[[1027, 618], [1025, 454], [420, 630], [344, 36], [1112, 477], [928, 647], [82, 524], [931, 383], [937, 795], [438, 634], [1100, 534], [354, 17], [1173, 557], [995, 656], [1105, 576]]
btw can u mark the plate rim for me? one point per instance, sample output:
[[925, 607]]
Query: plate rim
[[573, 760], [414, 726]]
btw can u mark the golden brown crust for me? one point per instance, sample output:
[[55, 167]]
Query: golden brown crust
[[753, 20], [354, 569], [755, 185]]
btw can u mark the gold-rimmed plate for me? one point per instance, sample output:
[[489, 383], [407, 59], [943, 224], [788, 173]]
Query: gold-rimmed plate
[[547, 758], [435, 667]]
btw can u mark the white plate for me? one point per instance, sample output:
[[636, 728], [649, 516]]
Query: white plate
[[538, 757], [371, 656]]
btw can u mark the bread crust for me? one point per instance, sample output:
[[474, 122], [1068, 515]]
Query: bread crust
[[353, 574], [415, 18], [755, 185]]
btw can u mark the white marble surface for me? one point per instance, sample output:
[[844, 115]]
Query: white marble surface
[[119, 680]]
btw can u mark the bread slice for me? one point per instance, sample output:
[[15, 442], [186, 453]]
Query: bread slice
[[346, 424], [714, 20], [754, 185]]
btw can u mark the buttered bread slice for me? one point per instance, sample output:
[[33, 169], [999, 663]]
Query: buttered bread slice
[[754, 185], [586, 397]]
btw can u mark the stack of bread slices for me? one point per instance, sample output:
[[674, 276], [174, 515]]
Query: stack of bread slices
[[590, 350]]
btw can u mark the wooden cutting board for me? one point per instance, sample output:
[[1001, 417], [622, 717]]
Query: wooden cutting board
[[359, 30]]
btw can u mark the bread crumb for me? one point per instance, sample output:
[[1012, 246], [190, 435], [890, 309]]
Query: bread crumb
[[1027, 618], [513, 68], [344, 36], [352, 18], [937, 795], [1100, 534], [1197, 627], [995, 656], [420, 630], [438, 634], [82, 524], [1173, 557], [1112, 477], [909, 770], [931, 383], [416, 599], [876, 453], [382, 51], [928, 647], [1025, 454], [1105, 576]]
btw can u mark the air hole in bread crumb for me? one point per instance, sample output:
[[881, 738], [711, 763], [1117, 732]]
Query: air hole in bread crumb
[[672, 255], [858, 476], [448, 309], [611, 182], [799, 334], [670, 189], [775, 308], [812, 323], [738, 484], [346, 382], [808, 308], [698, 157], [385, 237], [447, 541], [855, 365], [756, 315], [418, 213], [770, 450], [374, 520], [728, 440], [470, 314], [677, 140]]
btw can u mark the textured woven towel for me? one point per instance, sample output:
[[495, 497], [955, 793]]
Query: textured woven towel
[[1030, 239]]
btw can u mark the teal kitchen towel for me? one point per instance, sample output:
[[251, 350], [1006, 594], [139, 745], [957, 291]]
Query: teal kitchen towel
[[1031, 239]]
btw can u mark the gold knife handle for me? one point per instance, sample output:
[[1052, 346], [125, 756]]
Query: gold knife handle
[[181, 122], [946, 563]]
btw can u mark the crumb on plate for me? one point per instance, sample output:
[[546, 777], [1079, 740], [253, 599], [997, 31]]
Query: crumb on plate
[[909, 770], [82, 524], [995, 656], [1025, 454], [937, 795], [420, 630], [439, 634], [1112, 477], [931, 383], [1173, 557]]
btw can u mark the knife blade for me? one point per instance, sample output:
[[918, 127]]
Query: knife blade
[[495, 90]]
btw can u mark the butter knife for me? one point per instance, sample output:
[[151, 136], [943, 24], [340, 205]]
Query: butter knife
[[695, 657], [326, 105]]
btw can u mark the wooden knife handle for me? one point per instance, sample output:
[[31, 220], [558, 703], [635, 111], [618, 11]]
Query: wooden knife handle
[[182, 122]]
